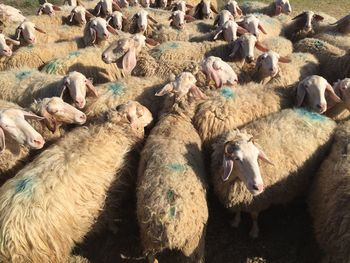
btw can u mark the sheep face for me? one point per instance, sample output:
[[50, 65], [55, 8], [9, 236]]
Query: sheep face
[[229, 31], [138, 115], [184, 85], [313, 91], [55, 111], [123, 3], [247, 43], [177, 19], [180, 5], [233, 8], [13, 122], [116, 19], [342, 89], [305, 21], [219, 71], [100, 29], [26, 30], [79, 14], [223, 17], [242, 156], [267, 64], [48, 9], [282, 6], [141, 20], [6, 45], [116, 50], [252, 24], [205, 8], [78, 85]]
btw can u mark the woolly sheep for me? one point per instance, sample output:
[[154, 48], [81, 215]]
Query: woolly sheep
[[6, 44], [340, 111], [333, 61], [50, 115], [22, 86], [228, 108], [26, 31], [243, 185], [48, 9], [223, 17], [105, 8], [252, 24], [234, 8], [86, 61], [328, 200], [171, 191], [11, 14], [78, 15], [275, 8], [116, 20], [97, 30], [82, 167], [203, 10]]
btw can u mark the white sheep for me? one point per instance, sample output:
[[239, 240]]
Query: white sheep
[[11, 14], [78, 15], [26, 32], [6, 45], [171, 191], [275, 8], [340, 111], [234, 8], [48, 9], [64, 189], [116, 20], [242, 184], [97, 30], [333, 61], [328, 200], [105, 8], [203, 10]]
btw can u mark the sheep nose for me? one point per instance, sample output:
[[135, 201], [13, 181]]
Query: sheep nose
[[38, 143], [105, 34], [250, 59], [258, 187], [81, 119], [80, 103]]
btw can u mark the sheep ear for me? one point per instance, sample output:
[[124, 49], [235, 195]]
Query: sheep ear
[[92, 35], [10, 41], [216, 21], [168, 88], [212, 7], [56, 8], [152, 19], [151, 42], [301, 92], [64, 88], [259, 46], [241, 30], [31, 115], [91, 88], [318, 17], [262, 29], [214, 75], [39, 30], [171, 18], [116, 6], [18, 33], [40, 11], [2, 140], [189, 18], [284, 60], [236, 47], [239, 11], [332, 94], [112, 30], [278, 9], [88, 14], [197, 93], [298, 16], [129, 60], [262, 156], [50, 121], [71, 16], [197, 11]]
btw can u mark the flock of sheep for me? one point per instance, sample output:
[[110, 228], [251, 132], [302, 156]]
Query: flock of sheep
[[172, 97]]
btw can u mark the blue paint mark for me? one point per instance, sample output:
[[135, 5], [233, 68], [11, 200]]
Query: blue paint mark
[[23, 185], [21, 75], [176, 167], [227, 93], [159, 50], [117, 88], [74, 54], [313, 116]]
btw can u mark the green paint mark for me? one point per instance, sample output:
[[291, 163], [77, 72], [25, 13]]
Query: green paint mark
[[313, 116], [319, 44], [51, 67], [117, 88], [74, 54], [246, 4], [23, 184], [30, 46], [159, 50], [21, 75], [227, 93], [172, 212], [171, 196], [176, 167]]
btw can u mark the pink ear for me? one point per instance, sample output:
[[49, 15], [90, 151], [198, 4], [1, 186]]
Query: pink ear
[[151, 41], [116, 6], [98, 8], [31, 115], [239, 10], [284, 60], [112, 30], [214, 75], [56, 8], [2, 140], [301, 92], [259, 46], [241, 30], [263, 157], [129, 60], [278, 10], [168, 88], [197, 93], [332, 94], [262, 29], [189, 18], [93, 35], [91, 88]]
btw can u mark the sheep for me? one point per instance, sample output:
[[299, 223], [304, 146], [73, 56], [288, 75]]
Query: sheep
[[97, 30], [105, 8], [49, 116], [22, 86], [6, 45], [333, 61], [116, 20], [78, 15], [140, 24], [252, 24], [312, 92], [340, 111], [26, 32], [73, 3], [229, 31], [86, 61], [203, 10], [180, 5], [228, 108], [112, 94], [328, 200], [305, 25], [48, 9], [74, 175], [275, 8], [219, 71], [11, 14], [234, 8], [178, 19], [223, 17], [243, 185], [172, 210], [343, 25]]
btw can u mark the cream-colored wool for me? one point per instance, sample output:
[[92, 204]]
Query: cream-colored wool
[[112, 94], [336, 39], [334, 62], [279, 44], [53, 202], [328, 200], [228, 108], [86, 61], [171, 191], [78, 259], [295, 141], [252, 7], [271, 25]]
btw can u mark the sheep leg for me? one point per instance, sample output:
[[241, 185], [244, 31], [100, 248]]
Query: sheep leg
[[254, 231], [152, 258], [235, 222]]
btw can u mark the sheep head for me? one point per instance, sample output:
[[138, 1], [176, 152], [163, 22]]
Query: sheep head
[[241, 155], [48, 9], [105, 7], [223, 17], [305, 20], [6, 45], [79, 15], [26, 30], [204, 10], [116, 20], [138, 115], [233, 7], [178, 19], [282, 6], [252, 24], [13, 122], [312, 91], [229, 31], [97, 29]]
